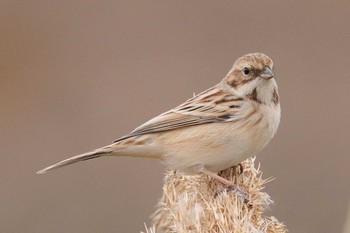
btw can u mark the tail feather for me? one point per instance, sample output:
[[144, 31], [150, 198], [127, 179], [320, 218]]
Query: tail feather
[[82, 157]]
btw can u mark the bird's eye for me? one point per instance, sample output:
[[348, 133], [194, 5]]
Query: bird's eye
[[246, 71]]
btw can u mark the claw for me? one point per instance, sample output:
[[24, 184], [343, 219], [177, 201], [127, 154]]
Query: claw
[[238, 191]]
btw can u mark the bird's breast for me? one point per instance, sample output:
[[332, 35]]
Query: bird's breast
[[217, 146]]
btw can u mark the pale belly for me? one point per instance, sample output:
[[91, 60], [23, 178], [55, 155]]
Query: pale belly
[[215, 147]]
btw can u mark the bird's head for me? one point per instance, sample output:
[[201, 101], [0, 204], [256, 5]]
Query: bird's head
[[252, 77]]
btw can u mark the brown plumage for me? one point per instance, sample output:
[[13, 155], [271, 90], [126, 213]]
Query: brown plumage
[[213, 130]]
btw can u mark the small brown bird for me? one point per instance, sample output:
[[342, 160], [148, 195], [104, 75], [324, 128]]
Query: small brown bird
[[212, 131]]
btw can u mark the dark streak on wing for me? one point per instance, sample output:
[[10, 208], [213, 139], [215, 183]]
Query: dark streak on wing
[[180, 122], [212, 105]]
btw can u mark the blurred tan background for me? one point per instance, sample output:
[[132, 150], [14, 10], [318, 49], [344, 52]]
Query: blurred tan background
[[75, 75]]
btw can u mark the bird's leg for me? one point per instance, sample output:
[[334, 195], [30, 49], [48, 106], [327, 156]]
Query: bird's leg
[[230, 186]]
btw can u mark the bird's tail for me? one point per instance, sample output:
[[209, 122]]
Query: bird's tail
[[82, 157]]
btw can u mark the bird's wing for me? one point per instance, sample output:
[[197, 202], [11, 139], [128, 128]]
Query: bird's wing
[[212, 105]]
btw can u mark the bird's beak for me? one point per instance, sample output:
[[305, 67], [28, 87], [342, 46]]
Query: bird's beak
[[266, 73]]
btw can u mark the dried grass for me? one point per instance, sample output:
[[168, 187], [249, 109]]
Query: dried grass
[[189, 204]]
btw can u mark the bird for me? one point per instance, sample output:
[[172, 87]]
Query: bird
[[210, 132]]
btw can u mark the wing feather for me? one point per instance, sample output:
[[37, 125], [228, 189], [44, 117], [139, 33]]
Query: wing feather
[[212, 105]]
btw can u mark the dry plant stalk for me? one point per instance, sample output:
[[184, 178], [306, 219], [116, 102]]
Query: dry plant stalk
[[189, 204]]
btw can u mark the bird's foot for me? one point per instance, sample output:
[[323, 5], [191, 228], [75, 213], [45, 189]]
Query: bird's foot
[[230, 186], [237, 190]]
